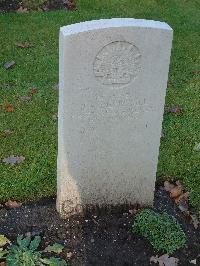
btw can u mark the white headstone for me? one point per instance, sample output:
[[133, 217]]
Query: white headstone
[[113, 78]]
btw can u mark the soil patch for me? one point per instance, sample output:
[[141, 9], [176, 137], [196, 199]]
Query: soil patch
[[101, 238], [18, 6]]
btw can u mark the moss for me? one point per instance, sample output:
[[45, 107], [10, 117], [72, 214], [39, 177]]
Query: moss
[[163, 232]]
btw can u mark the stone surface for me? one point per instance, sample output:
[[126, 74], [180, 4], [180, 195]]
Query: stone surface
[[112, 82], [10, 64]]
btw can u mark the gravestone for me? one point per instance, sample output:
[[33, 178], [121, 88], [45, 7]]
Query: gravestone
[[112, 82]]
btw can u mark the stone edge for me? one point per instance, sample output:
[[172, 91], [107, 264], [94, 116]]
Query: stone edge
[[113, 23]]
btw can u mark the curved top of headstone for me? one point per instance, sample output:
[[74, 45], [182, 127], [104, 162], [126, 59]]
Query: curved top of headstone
[[113, 23]]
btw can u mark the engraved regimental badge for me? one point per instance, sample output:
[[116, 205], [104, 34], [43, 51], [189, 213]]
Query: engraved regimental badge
[[117, 63]]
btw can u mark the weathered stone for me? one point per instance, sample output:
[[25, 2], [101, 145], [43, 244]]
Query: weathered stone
[[113, 79], [10, 64]]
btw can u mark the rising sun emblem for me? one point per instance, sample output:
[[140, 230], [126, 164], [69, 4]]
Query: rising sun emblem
[[117, 63]]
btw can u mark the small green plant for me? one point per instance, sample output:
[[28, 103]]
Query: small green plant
[[25, 253], [163, 232]]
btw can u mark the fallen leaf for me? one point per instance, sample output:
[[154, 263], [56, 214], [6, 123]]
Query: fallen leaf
[[7, 132], [2, 263], [25, 98], [13, 204], [13, 159], [197, 147], [164, 260], [178, 183], [45, 8], [69, 255], [174, 110], [40, 9], [196, 72], [4, 240], [33, 91], [9, 108], [183, 206], [194, 261], [71, 5], [182, 198], [194, 220], [55, 117], [53, 261], [182, 202], [56, 86], [56, 248], [7, 86], [134, 211], [168, 186], [177, 190], [9, 64], [24, 45], [162, 134], [28, 234], [22, 10], [169, 83]]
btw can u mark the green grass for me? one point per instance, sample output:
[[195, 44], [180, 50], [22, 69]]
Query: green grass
[[35, 132]]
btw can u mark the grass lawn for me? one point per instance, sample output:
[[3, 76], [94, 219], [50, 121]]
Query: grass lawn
[[35, 131]]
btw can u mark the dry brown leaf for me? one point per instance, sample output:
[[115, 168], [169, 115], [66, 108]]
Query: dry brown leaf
[[194, 220], [168, 186], [24, 45], [178, 183], [196, 72], [174, 109], [33, 91], [177, 190], [182, 202], [7, 132], [182, 198], [134, 211], [9, 108], [22, 10], [13, 204], [164, 260], [45, 8], [13, 159], [2, 263], [40, 9], [71, 5], [69, 255]]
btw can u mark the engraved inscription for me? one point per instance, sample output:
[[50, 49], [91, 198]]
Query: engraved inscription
[[114, 108], [117, 63]]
